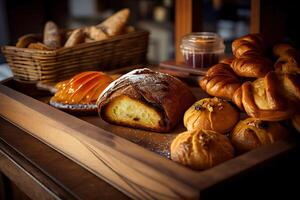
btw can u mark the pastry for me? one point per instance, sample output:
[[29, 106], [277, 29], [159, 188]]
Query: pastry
[[95, 33], [39, 46], [251, 44], [252, 133], [25, 40], [80, 93], [115, 24], [220, 81], [77, 36], [272, 98], [201, 149], [145, 99], [52, 37], [288, 59], [253, 66], [211, 114]]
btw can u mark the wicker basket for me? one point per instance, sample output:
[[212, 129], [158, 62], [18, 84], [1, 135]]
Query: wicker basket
[[31, 65]]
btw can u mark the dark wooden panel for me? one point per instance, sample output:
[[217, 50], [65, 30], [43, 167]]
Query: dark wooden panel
[[60, 175]]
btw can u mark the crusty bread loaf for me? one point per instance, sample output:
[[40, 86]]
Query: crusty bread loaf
[[145, 99], [52, 37]]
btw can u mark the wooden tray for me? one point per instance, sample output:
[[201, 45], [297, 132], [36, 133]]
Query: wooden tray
[[134, 161]]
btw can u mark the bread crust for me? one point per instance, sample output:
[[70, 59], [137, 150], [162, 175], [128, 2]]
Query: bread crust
[[164, 93]]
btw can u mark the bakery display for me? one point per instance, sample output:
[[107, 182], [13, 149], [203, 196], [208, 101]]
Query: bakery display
[[80, 93], [252, 133], [55, 38], [145, 99], [271, 98], [209, 114], [220, 81], [288, 59], [201, 149]]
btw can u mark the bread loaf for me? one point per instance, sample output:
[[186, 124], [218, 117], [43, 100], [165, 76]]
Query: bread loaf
[[52, 37], [145, 99]]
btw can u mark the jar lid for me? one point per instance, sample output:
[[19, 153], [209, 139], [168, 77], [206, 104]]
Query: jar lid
[[202, 42]]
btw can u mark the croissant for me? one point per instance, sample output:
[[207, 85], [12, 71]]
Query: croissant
[[252, 133], [220, 81], [270, 98], [249, 65], [289, 59], [201, 149], [249, 44]]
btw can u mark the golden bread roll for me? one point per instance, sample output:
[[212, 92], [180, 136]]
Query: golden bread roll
[[115, 24], [52, 37], [211, 114], [272, 98], [201, 149], [252, 133], [254, 66], [95, 33], [249, 44], [77, 36], [220, 81], [25, 40], [81, 92], [145, 99], [226, 61], [288, 59], [39, 46]]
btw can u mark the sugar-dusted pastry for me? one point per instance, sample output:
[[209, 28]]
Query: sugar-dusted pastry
[[81, 92], [145, 99], [201, 149], [211, 114], [252, 133], [272, 98], [220, 81]]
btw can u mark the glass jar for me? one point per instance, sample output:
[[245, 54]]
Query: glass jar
[[202, 49]]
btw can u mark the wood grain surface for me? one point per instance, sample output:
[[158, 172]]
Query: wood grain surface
[[133, 169]]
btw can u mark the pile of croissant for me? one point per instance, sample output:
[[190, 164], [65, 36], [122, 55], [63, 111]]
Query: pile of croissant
[[54, 38], [267, 91], [264, 90]]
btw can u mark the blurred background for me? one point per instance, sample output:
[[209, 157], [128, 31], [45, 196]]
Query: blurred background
[[229, 18]]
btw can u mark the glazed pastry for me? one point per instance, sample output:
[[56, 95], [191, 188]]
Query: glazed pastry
[[201, 149], [80, 93], [253, 66], [288, 59], [272, 98], [145, 99], [211, 114], [52, 37], [220, 81], [115, 24], [251, 44], [77, 36], [252, 133]]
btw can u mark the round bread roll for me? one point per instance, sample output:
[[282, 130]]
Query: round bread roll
[[201, 149], [211, 114], [252, 133]]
